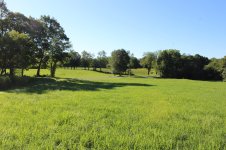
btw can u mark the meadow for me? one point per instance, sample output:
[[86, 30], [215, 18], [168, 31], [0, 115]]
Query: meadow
[[82, 109]]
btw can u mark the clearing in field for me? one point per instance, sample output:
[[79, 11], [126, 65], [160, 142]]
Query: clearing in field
[[85, 109]]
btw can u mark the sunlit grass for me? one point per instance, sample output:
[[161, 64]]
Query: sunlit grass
[[85, 109]]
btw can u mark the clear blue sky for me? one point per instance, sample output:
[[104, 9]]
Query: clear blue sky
[[192, 26]]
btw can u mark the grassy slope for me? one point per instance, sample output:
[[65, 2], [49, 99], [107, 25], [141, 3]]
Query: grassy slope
[[85, 109]]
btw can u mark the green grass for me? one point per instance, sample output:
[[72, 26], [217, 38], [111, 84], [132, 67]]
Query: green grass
[[90, 110]]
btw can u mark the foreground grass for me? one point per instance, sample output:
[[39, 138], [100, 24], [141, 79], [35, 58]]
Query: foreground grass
[[84, 109]]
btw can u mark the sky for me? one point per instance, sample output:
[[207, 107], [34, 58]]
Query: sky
[[192, 26]]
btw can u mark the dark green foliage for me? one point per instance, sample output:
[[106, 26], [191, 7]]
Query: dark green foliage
[[134, 63], [16, 50], [119, 61], [148, 61], [28, 42], [224, 68], [214, 70], [18, 22], [57, 40], [86, 60], [192, 67], [169, 63], [74, 59], [95, 64], [102, 59]]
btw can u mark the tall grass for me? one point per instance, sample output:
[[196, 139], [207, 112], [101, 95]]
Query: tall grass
[[89, 110]]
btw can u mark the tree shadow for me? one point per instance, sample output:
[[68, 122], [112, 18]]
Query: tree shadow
[[43, 85], [105, 72]]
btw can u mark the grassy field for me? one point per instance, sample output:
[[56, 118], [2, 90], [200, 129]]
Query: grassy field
[[90, 110]]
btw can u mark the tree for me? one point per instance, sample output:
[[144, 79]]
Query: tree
[[134, 62], [4, 13], [17, 50], [169, 63], [224, 68], [74, 59], [58, 42], [102, 59], [148, 61], [119, 61], [3, 9], [214, 70], [95, 64], [39, 35], [18, 22], [86, 60]]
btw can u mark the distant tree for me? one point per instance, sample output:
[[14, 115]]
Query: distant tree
[[95, 64], [74, 59], [134, 63], [86, 59], [119, 61], [199, 63], [169, 63], [102, 60], [214, 70], [224, 68], [193, 67], [148, 61]]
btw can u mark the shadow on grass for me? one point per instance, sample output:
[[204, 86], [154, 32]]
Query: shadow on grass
[[43, 85], [105, 72]]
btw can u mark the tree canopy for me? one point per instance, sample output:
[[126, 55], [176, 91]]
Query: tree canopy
[[119, 61]]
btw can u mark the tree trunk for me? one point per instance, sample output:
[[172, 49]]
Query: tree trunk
[[11, 72], [129, 72], [53, 69], [2, 71], [22, 72], [149, 70], [39, 68]]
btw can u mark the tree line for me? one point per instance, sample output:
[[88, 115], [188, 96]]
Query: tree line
[[26, 42], [168, 63]]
